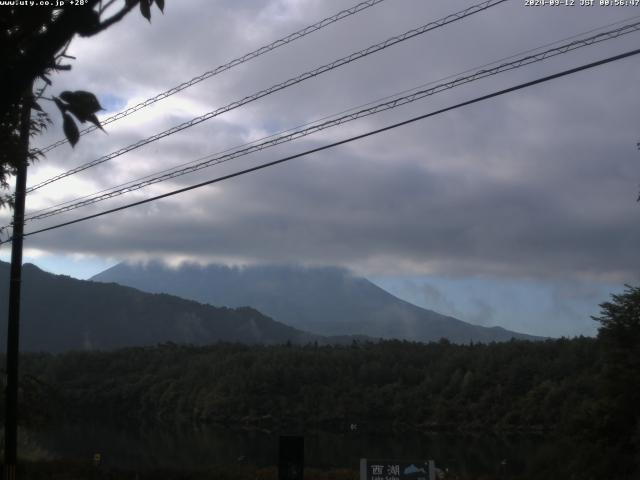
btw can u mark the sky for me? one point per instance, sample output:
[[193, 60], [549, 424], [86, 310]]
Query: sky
[[519, 211]]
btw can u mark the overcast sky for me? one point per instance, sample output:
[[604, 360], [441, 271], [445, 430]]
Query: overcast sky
[[520, 211]]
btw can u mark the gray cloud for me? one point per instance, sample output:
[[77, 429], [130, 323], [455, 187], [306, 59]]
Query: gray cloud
[[541, 183]]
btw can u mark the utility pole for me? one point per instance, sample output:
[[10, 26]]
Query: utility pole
[[15, 281]]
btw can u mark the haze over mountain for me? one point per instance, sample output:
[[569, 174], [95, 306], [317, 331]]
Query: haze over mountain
[[61, 313], [325, 301]]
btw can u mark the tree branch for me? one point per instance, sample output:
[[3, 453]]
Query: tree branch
[[115, 18], [36, 59], [106, 6]]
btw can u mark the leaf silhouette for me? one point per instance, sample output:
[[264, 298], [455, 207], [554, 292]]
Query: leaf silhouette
[[93, 119], [145, 9], [82, 104], [70, 129]]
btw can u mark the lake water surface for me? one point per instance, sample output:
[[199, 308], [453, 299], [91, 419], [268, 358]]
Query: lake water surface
[[204, 448]]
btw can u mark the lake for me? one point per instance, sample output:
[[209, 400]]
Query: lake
[[203, 448]]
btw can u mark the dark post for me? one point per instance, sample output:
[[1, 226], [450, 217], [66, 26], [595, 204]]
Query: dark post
[[291, 457], [15, 279]]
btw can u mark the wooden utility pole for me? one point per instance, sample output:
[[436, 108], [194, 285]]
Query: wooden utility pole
[[15, 281]]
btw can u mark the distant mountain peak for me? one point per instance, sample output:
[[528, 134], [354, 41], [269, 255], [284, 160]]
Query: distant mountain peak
[[323, 300], [60, 313]]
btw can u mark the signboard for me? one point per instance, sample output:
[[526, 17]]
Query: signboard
[[371, 469]]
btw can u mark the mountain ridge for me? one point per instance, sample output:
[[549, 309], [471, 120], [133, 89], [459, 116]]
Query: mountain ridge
[[321, 300], [60, 313]]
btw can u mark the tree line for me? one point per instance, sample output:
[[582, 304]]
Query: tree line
[[583, 388], [517, 385]]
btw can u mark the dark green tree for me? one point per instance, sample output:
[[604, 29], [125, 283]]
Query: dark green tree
[[619, 335]]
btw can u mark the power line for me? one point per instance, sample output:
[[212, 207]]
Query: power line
[[386, 97], [280, 86], [227, 66], [341, 142], [277, 140]]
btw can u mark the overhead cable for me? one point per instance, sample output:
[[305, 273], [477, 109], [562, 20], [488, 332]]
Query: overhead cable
[[341, 142], [333, 115], [371, 110], [280, 86], [227, 66]]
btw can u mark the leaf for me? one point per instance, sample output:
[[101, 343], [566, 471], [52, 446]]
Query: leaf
[[145, 9], [82, 104], [35, 106], [160, 4], [93, 119], [87, 99], [70, 129]]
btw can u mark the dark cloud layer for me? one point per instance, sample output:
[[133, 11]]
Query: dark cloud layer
[[541, 183]]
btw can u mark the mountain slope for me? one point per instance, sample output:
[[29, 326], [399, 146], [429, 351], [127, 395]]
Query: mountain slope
[[326, 301], [61, 313]]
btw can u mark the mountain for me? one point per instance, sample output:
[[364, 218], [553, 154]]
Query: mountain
[[325, 301], [61, 313]]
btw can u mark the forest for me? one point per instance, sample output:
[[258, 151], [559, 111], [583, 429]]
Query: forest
[[518, 385], [581, 390], [555, 388]]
